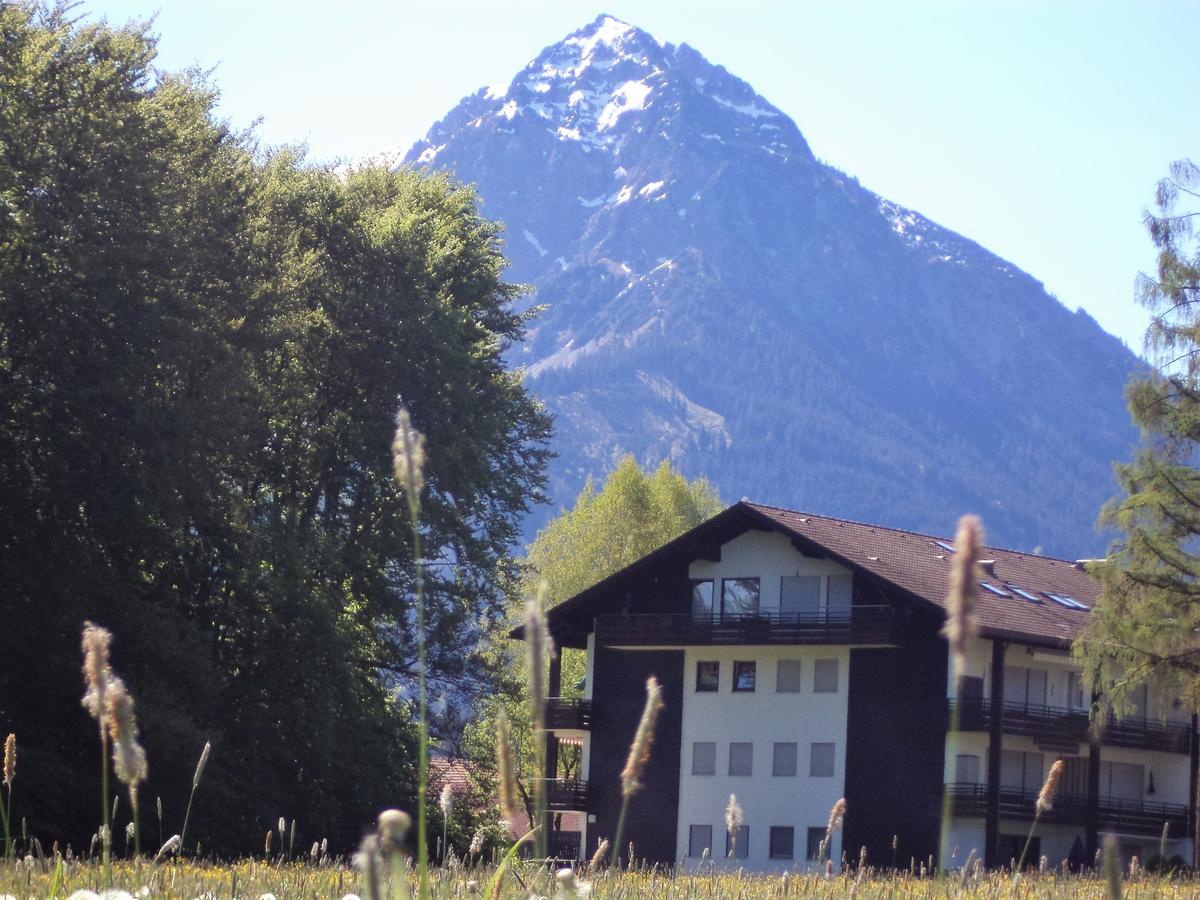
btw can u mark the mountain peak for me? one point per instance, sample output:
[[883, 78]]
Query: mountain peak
[[608, 81]]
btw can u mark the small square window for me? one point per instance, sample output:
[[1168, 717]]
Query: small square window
[[741, 759], [699, 840], [825, 676], [821, 762], [704, 758], [813, 845], [708, 677], [966, 768], [784, 759], [783, 841], [737, 845], [787, 676], [744, 675]]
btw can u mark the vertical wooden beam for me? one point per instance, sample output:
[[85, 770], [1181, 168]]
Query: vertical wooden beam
[[1193, 821], [1092, 814], [991, 823], [553, 689]]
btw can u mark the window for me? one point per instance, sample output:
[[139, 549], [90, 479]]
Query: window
[[800, 595], [699, 840], [702, 598], [966, 768], [784, 759], [708, 676], [741, 759], [704, 758], [812, 848], [787, 676], [821, 761], [737, 846], [841, 591], [992, 589], [783, 841], [739, 596], [825, 676], [1122, 780], [1075, 691], [1026, 687], [743, 675], [1020, 771]]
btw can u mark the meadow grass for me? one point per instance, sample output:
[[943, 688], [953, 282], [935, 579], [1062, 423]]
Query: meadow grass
[[252, 879]]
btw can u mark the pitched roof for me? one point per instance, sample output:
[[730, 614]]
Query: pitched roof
[[912, 562], [917, 564]]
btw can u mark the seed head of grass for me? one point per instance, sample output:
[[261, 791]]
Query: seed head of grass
[[734, 817], [643, 740], [129, 758], [201, 764], [446, 801], [408, 459], [10, 759], [96, 670], [506, 772], [961, 621], [600, 855], [394, 825], [837, 812], [1045, 799]]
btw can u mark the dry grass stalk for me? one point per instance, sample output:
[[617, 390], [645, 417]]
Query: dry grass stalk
[[643, 740], [96, 670], [961, 621]]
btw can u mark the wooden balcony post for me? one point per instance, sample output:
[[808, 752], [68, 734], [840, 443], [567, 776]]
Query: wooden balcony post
[[991, 820], [1194, 781], [553, 689]]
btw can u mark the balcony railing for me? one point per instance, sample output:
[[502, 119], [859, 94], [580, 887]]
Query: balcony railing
[[568, 714], [1058, 725], [1115, 813], [857, 625], [564, 795]]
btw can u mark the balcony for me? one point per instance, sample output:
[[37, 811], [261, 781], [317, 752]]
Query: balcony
[[568, 714], [1057, 728], [858, 625], [565, 796], [1114, 814]]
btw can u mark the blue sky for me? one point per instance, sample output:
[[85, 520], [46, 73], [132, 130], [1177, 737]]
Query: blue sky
[[1038, 129]]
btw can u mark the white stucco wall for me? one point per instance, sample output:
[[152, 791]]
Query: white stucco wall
[[763, 718]]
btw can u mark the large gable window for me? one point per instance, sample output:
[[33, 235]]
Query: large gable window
[[739, 596]]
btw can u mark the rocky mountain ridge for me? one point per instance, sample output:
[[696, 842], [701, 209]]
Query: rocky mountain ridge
[[715, 294]]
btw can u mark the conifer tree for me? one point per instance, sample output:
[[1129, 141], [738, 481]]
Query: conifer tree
[[1146, 621]]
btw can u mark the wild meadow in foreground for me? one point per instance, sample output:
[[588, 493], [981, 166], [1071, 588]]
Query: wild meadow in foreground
[[255, 880]]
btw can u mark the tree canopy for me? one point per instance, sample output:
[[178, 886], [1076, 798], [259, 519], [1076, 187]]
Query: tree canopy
[[202, 348], [1148, 615], [631, 514]]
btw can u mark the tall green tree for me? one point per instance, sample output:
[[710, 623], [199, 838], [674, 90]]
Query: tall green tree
[[631, 514], [202, 347], [1148, 615]]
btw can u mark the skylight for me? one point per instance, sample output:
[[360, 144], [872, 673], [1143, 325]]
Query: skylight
[[949, 548], [1064, 600], [1032, 598], [999, 592]]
